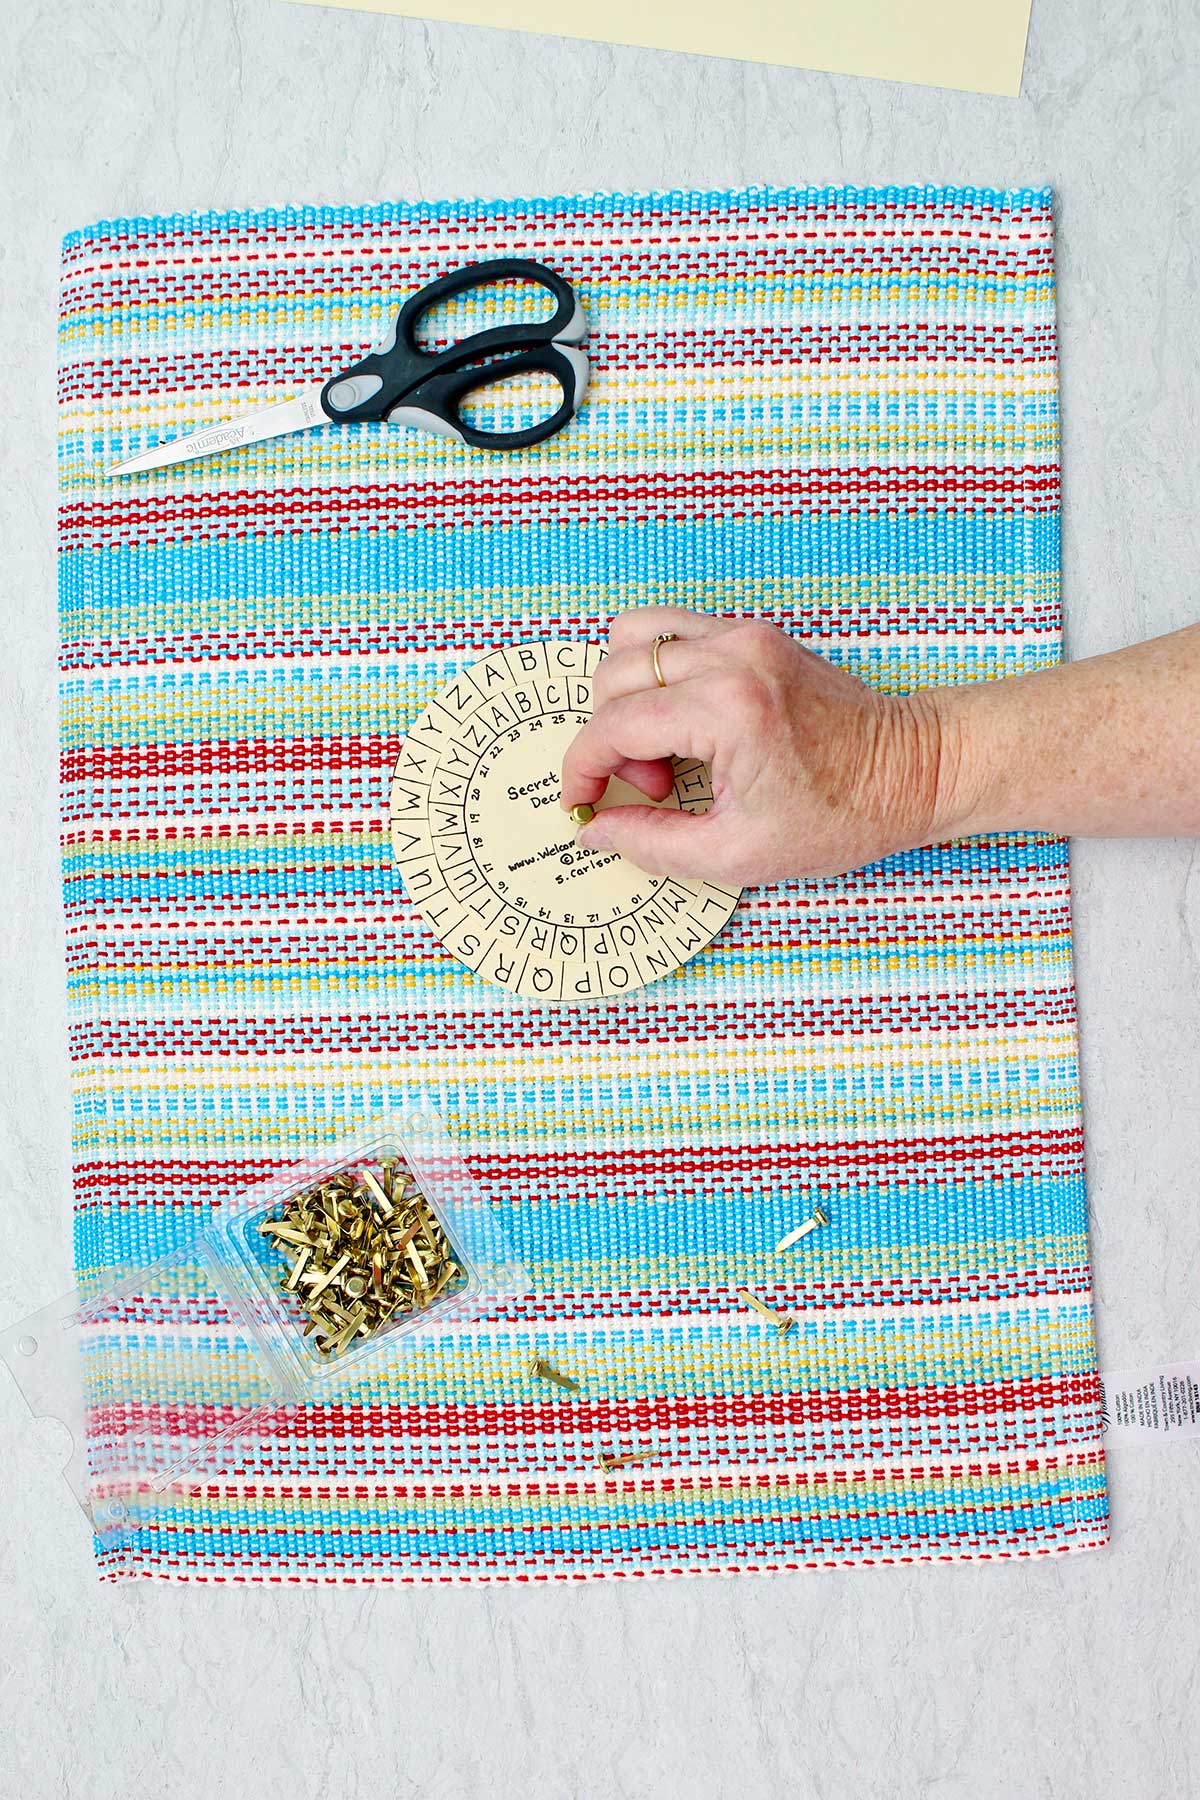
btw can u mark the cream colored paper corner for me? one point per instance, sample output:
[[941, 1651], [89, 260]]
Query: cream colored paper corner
[[974, 44]]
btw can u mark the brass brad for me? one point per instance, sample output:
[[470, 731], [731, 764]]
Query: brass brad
[[362, 1248], [781, 1321], [545, 1371]]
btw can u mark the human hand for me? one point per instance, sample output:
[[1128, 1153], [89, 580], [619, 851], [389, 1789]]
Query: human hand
[[813, 771]]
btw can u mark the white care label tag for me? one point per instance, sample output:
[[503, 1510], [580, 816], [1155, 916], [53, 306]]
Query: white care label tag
[[1140, 1404]]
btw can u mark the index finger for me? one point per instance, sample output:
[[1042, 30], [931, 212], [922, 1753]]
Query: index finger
[[642, 727]]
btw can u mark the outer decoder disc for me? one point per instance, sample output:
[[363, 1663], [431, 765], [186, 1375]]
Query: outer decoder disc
[[489, 857]]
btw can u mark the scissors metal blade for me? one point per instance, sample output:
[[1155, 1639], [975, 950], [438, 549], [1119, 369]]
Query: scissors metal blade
[[297, 414]]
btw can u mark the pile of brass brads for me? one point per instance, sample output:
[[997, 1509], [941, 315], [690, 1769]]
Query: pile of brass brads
[[364, 1246]]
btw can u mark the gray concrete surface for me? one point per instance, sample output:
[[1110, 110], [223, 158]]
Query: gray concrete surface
[[1075, 1679]]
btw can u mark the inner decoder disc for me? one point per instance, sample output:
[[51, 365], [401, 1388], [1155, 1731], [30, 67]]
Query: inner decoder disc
[[489, 858]]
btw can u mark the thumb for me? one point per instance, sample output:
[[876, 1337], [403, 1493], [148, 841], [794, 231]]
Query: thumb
[[657, 839]]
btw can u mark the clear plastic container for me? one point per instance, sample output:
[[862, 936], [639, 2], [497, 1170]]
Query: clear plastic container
[[68, 1354], [251, 1264]]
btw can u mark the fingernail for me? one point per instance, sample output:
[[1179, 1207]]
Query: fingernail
[[593, 837]]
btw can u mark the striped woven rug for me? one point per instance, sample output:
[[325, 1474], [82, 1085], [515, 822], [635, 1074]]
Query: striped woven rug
[[835, 409]]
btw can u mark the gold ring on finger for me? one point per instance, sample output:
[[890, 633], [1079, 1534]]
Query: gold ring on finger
[[664, 637]]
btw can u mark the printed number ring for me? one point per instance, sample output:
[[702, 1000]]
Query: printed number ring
[[489, 858]]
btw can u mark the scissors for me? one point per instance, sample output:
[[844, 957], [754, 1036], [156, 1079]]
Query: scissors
[[405, 385]]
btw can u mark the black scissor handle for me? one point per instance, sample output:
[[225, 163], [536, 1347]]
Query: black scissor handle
[[391, 375], [435, 405]]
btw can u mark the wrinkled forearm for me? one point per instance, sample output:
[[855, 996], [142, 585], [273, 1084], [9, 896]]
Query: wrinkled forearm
[[1107, 747]]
